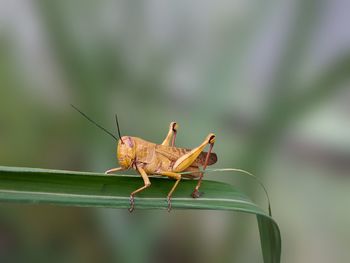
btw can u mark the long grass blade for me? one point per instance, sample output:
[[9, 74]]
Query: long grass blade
[[30, 185]]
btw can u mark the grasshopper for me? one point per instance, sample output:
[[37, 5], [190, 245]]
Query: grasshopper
[[163, 159]]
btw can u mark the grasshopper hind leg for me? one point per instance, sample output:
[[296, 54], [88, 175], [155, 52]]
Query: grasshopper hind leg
[[185, 161], [196, 193], [171, 136]]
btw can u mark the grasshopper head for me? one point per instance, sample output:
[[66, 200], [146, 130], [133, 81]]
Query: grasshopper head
[[126, 151]]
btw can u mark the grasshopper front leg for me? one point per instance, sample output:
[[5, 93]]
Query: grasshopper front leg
[[114, 170], [171, 136], [147, 184]]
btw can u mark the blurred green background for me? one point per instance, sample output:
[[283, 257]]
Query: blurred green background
[[270, 78]]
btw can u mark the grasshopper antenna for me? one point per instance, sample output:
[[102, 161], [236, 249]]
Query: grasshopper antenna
[[88, 118], [116, 120]]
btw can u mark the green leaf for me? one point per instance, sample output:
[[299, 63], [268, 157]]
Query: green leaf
[[31, 185]]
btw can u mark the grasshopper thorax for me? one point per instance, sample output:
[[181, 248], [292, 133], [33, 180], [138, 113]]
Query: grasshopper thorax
[[126, 151]]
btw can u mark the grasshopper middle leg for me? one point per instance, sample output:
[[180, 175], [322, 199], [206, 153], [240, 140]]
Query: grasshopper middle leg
[[178, 178], [147, 184]]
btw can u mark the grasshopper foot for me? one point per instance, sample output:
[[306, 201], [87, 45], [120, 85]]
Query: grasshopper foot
[[132, 203], [196, 193], [169, 203]]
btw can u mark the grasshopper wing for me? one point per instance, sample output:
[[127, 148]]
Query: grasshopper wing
[[201, 159], [174, 153]]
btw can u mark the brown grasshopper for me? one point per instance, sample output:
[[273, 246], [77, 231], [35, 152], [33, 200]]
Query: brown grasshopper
[[161, 159]]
